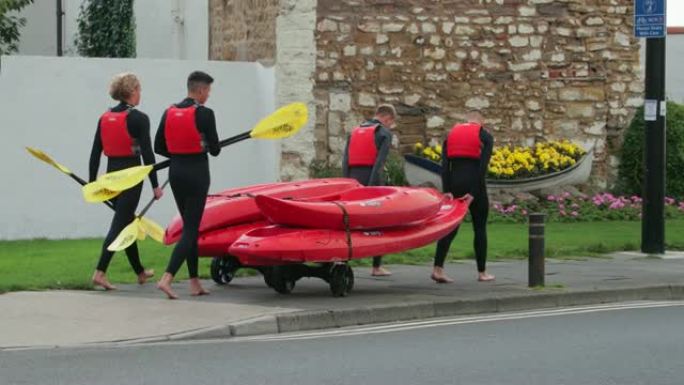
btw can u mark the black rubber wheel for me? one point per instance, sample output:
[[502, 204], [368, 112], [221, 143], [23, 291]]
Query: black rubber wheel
[[223, 269], [341, 280], [281, 280], [267, 272]]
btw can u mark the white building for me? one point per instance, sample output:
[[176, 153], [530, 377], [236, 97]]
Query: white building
[[165, 29]]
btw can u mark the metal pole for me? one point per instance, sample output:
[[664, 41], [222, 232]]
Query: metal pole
[[653, 209], [536, 250], [60, 28]]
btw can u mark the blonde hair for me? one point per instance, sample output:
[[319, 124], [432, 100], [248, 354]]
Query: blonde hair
[[123, 85]]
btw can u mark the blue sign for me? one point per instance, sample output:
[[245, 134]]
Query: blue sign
[[649, 18]]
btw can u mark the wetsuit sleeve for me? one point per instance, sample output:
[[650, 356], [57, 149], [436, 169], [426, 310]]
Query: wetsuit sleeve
[[95, 154], [446, 173], [159, 138], [345, 159], [383, 141], [142, 123], [206, 121], [487, 148]]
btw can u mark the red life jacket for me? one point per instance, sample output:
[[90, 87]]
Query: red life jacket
[[464, 141], [180, 131], [362, 150], [116, 141]]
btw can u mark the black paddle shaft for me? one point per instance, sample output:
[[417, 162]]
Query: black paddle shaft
[[223, 143], [149, 204], [83, 183]]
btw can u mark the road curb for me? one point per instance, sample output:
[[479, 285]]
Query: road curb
[[328, 319]]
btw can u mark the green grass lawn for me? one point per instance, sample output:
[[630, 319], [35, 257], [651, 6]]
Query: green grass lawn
[[61, 264]]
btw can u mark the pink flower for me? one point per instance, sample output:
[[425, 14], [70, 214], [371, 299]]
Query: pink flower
[[550, 198], [524, 212], [669, 201], [561, 206], [617, 204], [575, 205], [574, 213], [566, 194], [562, 213]]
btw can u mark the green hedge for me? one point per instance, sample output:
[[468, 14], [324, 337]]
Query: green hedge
[[106, 28], [631, 171]]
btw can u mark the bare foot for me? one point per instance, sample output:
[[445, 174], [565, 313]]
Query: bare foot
[[439, 276], [196, 287], [100, 279], [484, 277], [380, 272], [142, 277], [164, 285]]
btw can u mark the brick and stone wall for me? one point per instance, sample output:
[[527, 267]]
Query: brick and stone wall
[[243, 30], [538, 69]]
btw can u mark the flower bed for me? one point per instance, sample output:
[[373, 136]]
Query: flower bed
[[515, 162], [568, 208]]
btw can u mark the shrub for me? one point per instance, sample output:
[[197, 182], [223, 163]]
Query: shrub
[[10, 24], [631, 170], [106, 28]]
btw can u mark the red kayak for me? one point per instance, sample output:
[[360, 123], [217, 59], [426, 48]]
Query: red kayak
[[365, 207], [236, 206], [277, 245], [216, 243]]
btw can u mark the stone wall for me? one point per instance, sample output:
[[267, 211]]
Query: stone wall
[[538, 69], [243, 30]]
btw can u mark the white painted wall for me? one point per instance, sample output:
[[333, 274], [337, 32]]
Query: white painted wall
[[54, 103], [674, 57], [165, 29]]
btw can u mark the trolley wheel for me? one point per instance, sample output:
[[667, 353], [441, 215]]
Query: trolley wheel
[[280, 279], [341, 280], [223, 269]]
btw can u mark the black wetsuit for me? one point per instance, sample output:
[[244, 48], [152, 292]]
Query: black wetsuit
[[367, 175], [189, 178], [462, 176], [126, 203]]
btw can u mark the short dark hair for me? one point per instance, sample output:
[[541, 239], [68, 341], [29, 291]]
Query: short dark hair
[[386, 109], [199, 79]]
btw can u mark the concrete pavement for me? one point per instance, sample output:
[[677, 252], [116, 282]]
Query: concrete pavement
[[247, 307]]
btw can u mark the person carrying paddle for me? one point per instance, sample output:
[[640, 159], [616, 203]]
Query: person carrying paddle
[[187, 131], [123, 134], [467, 150], [365, 154]]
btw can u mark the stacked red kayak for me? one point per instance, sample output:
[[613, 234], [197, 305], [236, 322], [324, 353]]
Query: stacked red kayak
[[277, 244], [279, 228], [233, 212]]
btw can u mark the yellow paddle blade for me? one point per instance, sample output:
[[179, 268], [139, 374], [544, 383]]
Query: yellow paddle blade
[[285, 122], [141, 231], [124, 179], [94, 193], [152, 229], [46, 158], [126, 237]]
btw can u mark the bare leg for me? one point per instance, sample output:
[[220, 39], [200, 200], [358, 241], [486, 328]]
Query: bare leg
[[196, 287], [439, 276], [142, 277], [100, 279], [164, 285]]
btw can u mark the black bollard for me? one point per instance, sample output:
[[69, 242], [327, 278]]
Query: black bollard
[[536, 250]]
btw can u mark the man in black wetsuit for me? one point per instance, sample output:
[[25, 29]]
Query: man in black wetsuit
[[365, 156], [123, 135], [465, 161], [187, 131]]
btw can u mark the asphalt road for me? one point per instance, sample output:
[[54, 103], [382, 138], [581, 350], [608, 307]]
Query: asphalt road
[[597, 345]]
